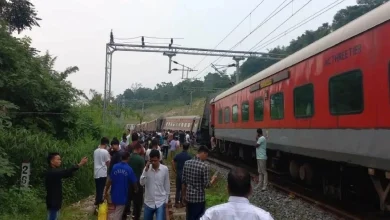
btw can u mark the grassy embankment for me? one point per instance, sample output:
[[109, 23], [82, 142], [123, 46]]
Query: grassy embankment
[[171, 109], [217, 193]]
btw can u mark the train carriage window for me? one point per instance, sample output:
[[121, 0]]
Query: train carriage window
[[235, 113], [346, 93], [277, 106], [258, 106], [220, 117], [245, 111], [227, 115], [304, 101]]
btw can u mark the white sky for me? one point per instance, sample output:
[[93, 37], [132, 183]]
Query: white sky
[[76, 31]]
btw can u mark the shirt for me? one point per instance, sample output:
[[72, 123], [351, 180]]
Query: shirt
[[137, 163], [182, 137], [121, 176], [180, 159], [122, 145], [196, 177], [173, 144], [237, 208], [148, 152], [100, 157], [261, 151], [128, 140], [187, 138], [157, 186], [53, 185], [115, 158], [131, 146], [161, 140]]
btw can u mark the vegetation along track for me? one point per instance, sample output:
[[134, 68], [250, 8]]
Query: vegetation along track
[[280, 183]]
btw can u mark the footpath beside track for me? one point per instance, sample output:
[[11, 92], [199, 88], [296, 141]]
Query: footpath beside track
[[174, 213]]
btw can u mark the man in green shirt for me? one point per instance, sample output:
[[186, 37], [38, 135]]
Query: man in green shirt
[[137, 163]]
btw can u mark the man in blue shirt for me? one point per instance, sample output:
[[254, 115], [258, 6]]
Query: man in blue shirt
[[177, 166], [121, 177]]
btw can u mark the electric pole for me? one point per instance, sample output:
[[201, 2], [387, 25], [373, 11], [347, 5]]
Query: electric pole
[[238, 59]]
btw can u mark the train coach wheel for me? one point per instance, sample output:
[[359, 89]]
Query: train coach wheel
[[294, 169], [306, 173]]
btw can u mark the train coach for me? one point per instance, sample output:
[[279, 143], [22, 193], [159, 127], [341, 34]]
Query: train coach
[[175, 123], [325, 111], [182, 123]]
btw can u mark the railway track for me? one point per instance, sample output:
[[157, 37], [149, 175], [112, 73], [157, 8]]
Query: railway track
[[276, 181]]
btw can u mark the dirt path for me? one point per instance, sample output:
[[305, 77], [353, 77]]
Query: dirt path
[[85, 209]]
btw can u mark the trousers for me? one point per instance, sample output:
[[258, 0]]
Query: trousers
[[149, 212], [263, 175], [53, 214], [100, 183], [118, 212], [137, 200], [195, 210], [178, 188]]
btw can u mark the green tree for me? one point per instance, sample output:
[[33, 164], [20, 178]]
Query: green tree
[[18, 14], [344, 16]]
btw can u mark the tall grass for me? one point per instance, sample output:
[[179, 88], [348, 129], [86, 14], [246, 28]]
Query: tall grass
[[20, 145]]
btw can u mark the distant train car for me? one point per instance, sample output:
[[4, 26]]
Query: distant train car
[[130, 127], [325, 110], [183, 123]]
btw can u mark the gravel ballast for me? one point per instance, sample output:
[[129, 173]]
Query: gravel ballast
[[280, 204]]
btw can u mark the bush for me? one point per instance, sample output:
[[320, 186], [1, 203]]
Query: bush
[[21, 201], [23, 145]]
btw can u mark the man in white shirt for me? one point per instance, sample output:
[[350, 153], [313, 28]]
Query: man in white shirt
[[128, 137], [188, 137], [155, 178], [154, 147], [101, 159], [238, 206]]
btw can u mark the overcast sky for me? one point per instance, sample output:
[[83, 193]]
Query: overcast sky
[[76, 31]]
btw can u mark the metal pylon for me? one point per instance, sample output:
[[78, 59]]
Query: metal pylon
[[107, 81]]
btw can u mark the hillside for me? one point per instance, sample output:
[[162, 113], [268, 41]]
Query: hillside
[[171, 109]]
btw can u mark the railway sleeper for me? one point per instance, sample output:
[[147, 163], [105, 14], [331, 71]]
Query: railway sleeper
[[383, 193]]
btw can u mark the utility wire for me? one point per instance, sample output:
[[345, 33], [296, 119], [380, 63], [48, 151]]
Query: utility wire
[[303, 22], [257, 27], [292, 15], [231, 32], [263, 22]]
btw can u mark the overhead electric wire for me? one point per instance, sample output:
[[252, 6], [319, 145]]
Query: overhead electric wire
[[292, 15], [263, 22], [231, 31], [303, 22], [257, 27]]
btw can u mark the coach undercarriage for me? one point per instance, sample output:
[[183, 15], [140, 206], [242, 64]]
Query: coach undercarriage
[[341, 181]]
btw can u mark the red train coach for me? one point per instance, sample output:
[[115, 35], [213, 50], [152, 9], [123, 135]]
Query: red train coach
[[322, 109]]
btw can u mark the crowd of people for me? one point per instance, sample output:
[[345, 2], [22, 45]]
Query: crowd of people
[[131, 173]]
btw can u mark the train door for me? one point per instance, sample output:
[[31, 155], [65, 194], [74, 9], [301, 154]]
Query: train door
[[211, 115]]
